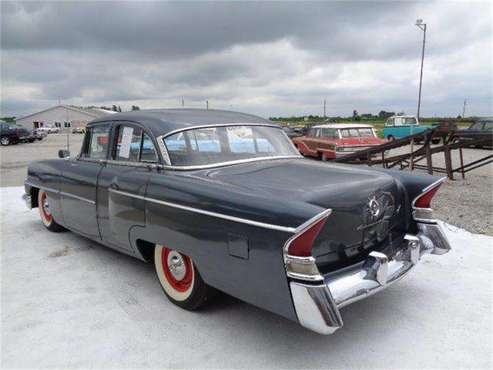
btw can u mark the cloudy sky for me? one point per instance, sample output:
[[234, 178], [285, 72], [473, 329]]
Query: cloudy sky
[[271, 59]]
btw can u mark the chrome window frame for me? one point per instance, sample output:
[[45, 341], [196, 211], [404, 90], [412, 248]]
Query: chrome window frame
[[167, 160]]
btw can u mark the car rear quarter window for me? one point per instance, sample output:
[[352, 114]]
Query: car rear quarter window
[[148, 151]]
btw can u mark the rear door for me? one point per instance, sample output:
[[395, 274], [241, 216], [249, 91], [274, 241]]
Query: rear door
[[123, 182], [79, 180]]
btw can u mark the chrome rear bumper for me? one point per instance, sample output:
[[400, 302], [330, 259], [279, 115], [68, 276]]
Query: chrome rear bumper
[[317, 306], [27, 199]]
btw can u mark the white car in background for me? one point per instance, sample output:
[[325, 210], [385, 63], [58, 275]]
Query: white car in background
[[49, 130]]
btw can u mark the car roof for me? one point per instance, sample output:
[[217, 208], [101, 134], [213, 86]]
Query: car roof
[[403, 116], [344, 125], [164, 121]]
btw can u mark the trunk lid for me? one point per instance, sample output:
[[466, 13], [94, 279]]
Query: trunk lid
[[368, 207]]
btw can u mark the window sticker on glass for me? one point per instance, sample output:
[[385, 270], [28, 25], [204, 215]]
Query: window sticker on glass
[[124, 151]]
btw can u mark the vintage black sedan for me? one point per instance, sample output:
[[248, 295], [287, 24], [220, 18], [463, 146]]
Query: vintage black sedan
[[223, 201]]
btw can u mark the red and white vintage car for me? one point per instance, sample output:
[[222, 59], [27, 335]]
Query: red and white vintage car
[[335, 140]]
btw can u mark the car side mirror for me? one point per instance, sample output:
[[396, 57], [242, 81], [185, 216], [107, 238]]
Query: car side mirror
[[62, 153]]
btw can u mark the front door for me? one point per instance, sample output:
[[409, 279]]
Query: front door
[[123, 183], [79, 181]]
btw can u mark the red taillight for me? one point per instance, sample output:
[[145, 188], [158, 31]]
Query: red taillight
[[301, 245], [424, 200]]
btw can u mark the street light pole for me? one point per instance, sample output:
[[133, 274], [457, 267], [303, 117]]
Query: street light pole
[[422, 26]]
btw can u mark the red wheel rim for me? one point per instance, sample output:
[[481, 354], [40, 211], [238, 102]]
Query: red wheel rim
[[45, 208], [180, 284]]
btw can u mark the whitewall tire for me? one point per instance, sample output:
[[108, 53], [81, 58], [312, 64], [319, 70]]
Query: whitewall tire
[[179, 278], [45, 213]]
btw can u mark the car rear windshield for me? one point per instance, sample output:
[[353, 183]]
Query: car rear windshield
[[221, 144]]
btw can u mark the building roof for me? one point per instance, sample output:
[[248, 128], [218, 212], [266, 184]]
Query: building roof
[[92, 112], [344, 125], [163, 121]]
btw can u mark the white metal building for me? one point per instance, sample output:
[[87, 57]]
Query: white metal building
[[64, 117]]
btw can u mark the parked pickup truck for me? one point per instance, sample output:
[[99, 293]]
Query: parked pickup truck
[[397, 127]]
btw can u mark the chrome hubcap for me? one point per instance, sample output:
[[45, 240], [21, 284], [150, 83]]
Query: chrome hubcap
[[176, 265], [46, 207]]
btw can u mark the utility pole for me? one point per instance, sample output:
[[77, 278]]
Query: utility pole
[[207, 104], [464, 109], [68, 130], [422, 27], [182, 102], [325, 105]]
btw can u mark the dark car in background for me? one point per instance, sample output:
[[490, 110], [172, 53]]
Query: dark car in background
[[221, 200], [291, 132], [482, 128], [13, 134]]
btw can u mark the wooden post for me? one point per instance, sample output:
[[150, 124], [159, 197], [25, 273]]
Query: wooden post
[[368, 158], [412, 156], [462, 164], [383, 159], [448, 162], [429, 163]]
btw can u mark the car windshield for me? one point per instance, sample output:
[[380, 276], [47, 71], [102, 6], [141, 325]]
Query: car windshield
[[488, 125], [221, 144], [357, 132]]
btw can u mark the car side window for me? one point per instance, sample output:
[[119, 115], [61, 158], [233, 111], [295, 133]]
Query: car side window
[[329, 133], [148, 151], [97, 142], [390, 122], [476, 126], [128, 143]]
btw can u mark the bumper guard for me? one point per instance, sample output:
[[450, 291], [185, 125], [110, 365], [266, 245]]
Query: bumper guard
[[317, 306]]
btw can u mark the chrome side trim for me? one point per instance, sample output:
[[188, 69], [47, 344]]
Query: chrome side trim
[[55, 191], [208, 213], [219, 125], [314, 219], [229, 163], [77, 197], [42, 187]]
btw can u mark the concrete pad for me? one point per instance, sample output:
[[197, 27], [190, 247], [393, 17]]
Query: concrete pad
[[68, 302]]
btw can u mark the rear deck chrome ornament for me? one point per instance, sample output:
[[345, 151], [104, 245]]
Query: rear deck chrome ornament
[[374, 207]]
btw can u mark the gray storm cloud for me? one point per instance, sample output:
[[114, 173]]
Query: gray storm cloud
[[265, 58]]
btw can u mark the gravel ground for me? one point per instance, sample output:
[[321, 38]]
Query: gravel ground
[[466, 203]]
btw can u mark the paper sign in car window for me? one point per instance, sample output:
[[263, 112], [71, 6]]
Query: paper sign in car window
[[125, 143]]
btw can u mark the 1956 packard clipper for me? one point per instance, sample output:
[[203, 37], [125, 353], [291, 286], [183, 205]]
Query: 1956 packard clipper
[[223, 200]]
